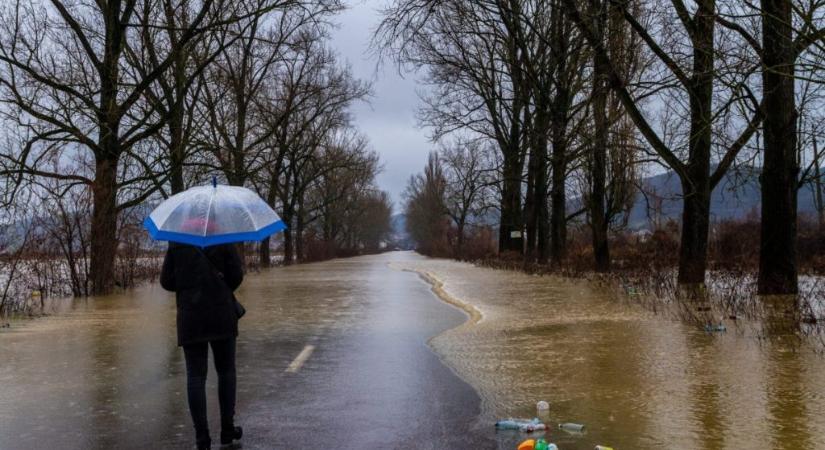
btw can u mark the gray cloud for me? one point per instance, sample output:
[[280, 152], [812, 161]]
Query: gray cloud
[[389, 118]]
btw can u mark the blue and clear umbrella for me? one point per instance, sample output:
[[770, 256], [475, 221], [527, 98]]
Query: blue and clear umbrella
[[212, 215]]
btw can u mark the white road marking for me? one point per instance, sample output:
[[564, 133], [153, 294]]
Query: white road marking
[[300, 359]]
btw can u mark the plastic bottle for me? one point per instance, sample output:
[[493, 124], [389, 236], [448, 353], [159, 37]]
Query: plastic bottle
[[526, 426], [572, 427], [710, 328], [603, 447], [542, 444], [509, 424], [542, 406], [535, 425]]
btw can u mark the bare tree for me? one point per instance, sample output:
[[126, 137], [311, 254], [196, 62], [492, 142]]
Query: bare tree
[[792, 33], [426, 213], [64, 73], [468, 172], [474, 63], [691, 79]]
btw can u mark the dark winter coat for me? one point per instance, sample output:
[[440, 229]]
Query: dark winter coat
[[204, 291]]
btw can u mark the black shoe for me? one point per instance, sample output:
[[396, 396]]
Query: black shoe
[[232, 434], [205, 444]]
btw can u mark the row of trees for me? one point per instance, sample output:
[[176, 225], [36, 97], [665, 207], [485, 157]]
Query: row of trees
[[130, 101], [580, 98]]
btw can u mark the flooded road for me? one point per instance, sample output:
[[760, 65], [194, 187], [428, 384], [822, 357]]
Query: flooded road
[[358, 353], [330, 355]]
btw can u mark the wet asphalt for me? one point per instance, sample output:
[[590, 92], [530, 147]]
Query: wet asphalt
[[374, 384], [365, 378]]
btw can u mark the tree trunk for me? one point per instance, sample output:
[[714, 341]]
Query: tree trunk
[[288, 248], [511, 230], [695, 225], [543, 215], [510, 238], [176, 156], [598, 168], [558, 202], [299, 237], [177, 118], [530, 206], [540, 188], [560, 105], [330, 245], [777, 257], [817, 186], [264, 253], [460, 243], [696, 189], [103, 244], [558, 191]]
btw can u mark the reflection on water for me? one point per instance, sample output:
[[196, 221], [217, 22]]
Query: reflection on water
[[106, 372], [637, 380], [107, 368], [99, 368]]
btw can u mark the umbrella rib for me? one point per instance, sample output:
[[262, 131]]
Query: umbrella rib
[[249, 214], [209, 211]]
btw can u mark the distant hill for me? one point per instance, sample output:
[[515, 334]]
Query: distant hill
[[735, 197]]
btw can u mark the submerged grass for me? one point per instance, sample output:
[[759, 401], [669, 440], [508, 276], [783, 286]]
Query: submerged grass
[[728, 299]]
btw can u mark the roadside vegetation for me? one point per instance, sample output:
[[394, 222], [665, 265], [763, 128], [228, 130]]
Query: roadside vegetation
[[550, 114]]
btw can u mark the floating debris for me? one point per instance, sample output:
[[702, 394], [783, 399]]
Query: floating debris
[[572, 427], [524, 425], [720, 328]]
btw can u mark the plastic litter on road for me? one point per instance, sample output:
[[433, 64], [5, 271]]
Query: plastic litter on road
[[572, 427], [537, 444], [542, 405], [720, 328], [542, 444], [523, 425], [603, 447]]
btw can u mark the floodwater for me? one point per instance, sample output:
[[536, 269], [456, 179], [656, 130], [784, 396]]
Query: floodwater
[[636, 380], [106, 372], [394, 367]]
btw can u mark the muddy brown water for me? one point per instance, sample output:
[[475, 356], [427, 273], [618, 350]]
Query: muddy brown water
[[636, 380]]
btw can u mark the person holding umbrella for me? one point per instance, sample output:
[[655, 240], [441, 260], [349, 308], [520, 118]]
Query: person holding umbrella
[[203, 268]]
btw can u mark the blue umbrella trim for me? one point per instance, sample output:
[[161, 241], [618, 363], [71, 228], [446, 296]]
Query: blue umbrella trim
[[206, 241]]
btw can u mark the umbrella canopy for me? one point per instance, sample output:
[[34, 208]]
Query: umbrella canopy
[[212, 215]]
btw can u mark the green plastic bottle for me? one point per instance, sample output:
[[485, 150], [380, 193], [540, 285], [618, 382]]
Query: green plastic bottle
[[541, 444]]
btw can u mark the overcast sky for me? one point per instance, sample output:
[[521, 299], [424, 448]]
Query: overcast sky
[[389, 118]]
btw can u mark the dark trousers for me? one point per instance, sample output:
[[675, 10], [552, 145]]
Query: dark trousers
[[197, 362]]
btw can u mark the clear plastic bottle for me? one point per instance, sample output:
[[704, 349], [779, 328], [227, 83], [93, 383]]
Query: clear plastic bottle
[[526, 426], [572, 427], [510, 424], [534, 425]]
